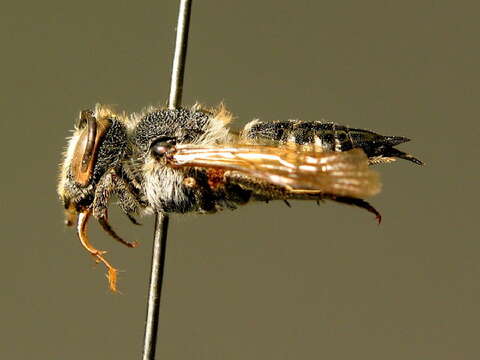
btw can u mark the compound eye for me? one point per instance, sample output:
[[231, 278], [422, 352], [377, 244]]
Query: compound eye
[[162, 145], [91, 122], [83, 160]]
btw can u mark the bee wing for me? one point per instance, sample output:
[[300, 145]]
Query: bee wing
[[336, 173]]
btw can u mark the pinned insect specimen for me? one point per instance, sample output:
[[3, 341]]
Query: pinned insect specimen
[[188, 160]]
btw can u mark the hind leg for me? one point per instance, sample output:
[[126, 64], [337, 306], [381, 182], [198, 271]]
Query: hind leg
[[264, 191], [356, 202]]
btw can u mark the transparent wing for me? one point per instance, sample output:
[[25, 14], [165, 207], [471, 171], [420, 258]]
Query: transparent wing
[[337, 173]]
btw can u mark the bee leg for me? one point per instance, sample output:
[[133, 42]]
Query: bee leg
[[317, 196], [356, 202], [128, 203], [108, 229], [132, 219], [260, 190], [129, 196], [287, 203], [265, 191], [392, 152], [105, 187], [98, 254]]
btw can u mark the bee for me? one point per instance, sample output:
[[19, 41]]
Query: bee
[[188, 160]]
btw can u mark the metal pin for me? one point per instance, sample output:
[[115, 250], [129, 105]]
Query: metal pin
[[178, 66], [162, 219]]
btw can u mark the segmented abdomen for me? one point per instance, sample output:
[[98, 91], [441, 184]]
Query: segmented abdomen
[[318, 136], [327, 136]]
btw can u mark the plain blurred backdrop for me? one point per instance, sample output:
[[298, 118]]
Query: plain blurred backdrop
[[265, 281]]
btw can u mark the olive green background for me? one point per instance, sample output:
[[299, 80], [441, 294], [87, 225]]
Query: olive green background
[[265, 281]]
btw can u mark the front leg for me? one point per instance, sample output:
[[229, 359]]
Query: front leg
[[97, 254]]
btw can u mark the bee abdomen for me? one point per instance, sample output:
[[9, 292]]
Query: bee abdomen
[[321, 136]]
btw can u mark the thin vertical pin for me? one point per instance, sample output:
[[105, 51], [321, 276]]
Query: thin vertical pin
[[162, 219]]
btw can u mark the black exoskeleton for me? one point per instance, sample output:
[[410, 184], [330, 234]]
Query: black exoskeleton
[[329, 137]]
